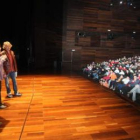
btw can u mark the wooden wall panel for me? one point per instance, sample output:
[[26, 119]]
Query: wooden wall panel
[[70, 38], [94, 18], [88, 51]]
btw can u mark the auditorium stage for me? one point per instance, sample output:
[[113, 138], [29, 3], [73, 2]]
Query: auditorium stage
[[66, 107]]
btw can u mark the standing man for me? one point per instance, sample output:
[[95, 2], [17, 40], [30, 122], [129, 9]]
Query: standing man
[[10, 67]]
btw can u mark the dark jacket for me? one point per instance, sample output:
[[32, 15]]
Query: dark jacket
[[6, 64]]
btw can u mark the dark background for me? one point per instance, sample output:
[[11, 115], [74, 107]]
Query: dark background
[[21, 24]]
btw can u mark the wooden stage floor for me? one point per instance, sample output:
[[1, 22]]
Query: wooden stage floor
[[64, 107]]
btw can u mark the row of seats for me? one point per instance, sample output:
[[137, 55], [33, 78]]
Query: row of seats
[[121, 75]]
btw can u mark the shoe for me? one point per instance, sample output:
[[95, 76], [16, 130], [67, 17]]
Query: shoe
[[2, 106], [18, 94], [9, 95]]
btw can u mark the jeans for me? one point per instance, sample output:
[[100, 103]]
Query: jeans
[[135, 91], [11, 75], [95, 75]]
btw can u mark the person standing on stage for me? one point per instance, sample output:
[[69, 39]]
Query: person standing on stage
[[2, 75], [10, 67]]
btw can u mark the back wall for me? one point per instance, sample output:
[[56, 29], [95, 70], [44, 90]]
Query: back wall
[[95, 31]]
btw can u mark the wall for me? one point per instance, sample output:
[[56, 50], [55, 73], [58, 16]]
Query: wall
[[47, 33], [85, 30]]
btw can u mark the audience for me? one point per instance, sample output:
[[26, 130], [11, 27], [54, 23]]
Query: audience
[[121, 75]]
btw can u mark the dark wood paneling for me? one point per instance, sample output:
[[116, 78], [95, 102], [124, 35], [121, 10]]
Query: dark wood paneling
[[94, 18]]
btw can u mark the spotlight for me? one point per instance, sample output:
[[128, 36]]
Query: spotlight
[[128, 3], [81, 34], [111, 4], [134, 35], [121, 2], [110, 35], [109, 30]]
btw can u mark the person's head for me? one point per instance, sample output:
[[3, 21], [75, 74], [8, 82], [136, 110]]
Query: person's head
[[7, 45]]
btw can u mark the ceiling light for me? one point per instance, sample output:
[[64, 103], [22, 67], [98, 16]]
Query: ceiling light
[[121, 2]]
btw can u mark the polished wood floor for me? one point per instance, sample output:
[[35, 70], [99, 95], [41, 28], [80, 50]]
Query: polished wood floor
[[66, 107]]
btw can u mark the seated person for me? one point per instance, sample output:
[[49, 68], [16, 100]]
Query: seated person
[[134, 91]]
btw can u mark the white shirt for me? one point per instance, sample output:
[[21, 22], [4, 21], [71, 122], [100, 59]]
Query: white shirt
[[126, 80]]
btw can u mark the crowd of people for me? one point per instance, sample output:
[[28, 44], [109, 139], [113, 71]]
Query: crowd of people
[[121, 75], [8, 69]]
